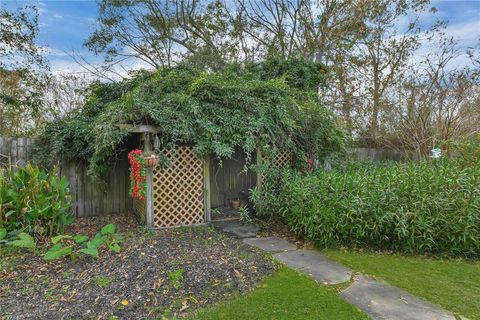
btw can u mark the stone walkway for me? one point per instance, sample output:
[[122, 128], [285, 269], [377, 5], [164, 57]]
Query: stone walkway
[[377, 298]]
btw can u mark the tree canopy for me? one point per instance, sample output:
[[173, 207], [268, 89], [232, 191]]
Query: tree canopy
[[271, 105]]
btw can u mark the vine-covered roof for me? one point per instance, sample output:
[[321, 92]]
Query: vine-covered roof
[[275, 107]]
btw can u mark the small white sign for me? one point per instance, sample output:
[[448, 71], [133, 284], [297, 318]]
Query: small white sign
[[436, 153]]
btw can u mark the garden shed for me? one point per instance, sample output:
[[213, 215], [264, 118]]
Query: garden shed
[[181, 193], [217, 131]]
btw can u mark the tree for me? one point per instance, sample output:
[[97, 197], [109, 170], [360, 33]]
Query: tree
[[436, 103], [367, 47], [18, 32], [64, 94], [21, 66], [161, 33], [212, 33], [312, 29]]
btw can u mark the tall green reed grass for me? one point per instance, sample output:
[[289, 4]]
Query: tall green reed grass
[[428, 207]]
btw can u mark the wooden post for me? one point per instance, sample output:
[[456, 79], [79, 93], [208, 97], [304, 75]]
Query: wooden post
[[206, 188], [149, 171], [149, 198], [259, 174]]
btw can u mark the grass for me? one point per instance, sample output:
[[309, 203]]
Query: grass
[[452, 284], [103, 282], [285, 295]]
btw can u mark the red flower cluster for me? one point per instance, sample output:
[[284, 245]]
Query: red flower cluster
[[138, 176]]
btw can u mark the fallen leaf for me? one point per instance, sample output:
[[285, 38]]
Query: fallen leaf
[[237, 273], [184, 305], [124, 302]]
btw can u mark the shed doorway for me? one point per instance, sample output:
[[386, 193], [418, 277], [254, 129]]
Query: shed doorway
[[230, 180]]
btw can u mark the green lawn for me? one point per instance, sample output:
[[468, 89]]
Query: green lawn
[[285, 295], [453, 284]]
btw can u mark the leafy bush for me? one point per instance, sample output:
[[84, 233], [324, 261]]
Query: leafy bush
[[245, 215], [23, 240], [67, 245], [34, 201], [428, 207]]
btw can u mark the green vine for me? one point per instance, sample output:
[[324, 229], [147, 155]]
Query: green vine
[[217, 112]]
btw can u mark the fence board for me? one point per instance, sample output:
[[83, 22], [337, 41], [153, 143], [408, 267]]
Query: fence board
[[374, 154]]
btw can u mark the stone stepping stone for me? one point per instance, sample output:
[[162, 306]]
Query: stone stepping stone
[[271, 244], [236, 228], [315, 265], [382, 301]]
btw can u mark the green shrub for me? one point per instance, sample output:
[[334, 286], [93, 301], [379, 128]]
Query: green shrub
[[68, 245], [428, 207], [34, 201]]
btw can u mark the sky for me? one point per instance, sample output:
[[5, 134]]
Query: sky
[[66, 24]]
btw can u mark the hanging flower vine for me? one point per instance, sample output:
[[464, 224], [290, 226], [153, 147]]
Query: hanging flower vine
[[138, 177]]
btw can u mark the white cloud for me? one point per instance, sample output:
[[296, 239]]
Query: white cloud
[[52, 52], [465, 33], [65, 66]]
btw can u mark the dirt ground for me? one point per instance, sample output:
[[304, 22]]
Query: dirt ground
[[165, 273]]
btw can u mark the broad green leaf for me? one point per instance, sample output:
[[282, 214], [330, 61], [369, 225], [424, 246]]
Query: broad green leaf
[[114, 247], [116, 237], [97, 241], [59, 238], [80, 238], [3, 233], [57, 251], [90, 251], [108, 229], [25, 241]]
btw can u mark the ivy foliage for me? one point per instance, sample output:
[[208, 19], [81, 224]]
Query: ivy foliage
[[248, 107]]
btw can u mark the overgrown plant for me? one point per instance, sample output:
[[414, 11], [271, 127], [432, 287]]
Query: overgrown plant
[[428, 207], [72, 246], [34, 201], [216, 112], [245, 215]]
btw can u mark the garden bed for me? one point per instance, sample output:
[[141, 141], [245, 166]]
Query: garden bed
[[163, 273]]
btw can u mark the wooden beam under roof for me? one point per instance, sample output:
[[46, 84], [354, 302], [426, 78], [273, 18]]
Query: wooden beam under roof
[[141, 128]]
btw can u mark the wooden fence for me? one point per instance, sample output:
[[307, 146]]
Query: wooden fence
[[94, 198], [14, 151], [89, 198], [374, 154], [111, 195]]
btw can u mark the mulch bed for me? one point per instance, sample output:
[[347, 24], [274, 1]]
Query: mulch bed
[[140, 282]]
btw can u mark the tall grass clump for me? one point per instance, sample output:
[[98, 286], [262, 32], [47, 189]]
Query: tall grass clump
[[427, 207]]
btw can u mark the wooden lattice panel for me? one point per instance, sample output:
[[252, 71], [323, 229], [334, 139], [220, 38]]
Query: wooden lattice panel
[[178, 197], [139, 208], [283, 158]]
